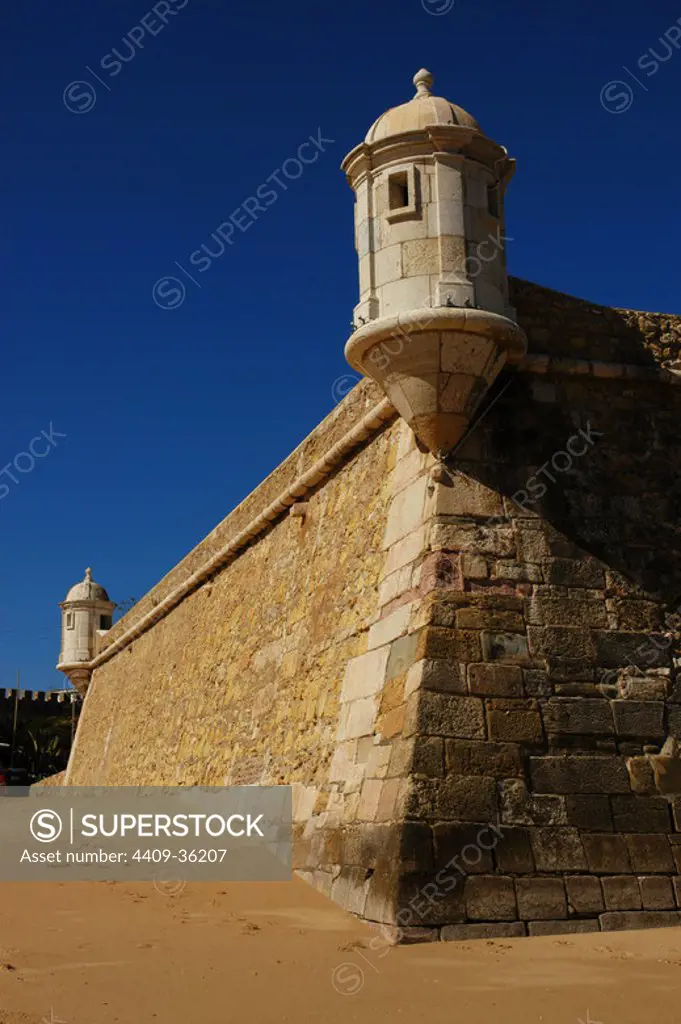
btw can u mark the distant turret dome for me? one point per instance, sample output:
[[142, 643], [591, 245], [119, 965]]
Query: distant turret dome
[[87, 590], [423, 110]]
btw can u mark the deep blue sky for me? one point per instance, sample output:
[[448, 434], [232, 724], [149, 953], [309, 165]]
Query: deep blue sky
[[172, 416]]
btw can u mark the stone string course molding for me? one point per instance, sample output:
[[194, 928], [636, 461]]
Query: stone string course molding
[[373, 421]]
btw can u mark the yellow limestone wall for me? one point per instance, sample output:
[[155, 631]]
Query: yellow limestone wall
[[240, 683]]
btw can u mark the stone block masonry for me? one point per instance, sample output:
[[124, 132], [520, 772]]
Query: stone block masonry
[[425, 660]]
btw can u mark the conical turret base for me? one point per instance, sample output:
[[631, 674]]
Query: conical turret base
[[436, 366]]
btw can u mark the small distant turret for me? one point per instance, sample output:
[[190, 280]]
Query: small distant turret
[[86, 614]]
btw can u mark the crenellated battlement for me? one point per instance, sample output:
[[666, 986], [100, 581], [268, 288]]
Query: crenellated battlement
[[42, 696]]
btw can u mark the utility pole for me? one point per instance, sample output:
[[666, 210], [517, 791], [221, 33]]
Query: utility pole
[[14, 722]]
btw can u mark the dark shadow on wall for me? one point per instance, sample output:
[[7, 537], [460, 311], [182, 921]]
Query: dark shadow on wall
[[621, 500], [562, 325]]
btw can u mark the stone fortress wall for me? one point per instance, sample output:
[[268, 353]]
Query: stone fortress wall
[[422, 656], [240, 681]]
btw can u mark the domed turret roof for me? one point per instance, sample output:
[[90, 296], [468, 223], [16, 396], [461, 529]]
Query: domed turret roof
[[423, 110], [87, 590]]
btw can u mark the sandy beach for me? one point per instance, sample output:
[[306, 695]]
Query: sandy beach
[[218, 953]]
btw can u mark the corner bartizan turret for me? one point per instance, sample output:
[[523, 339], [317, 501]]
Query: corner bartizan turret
[[434, 326], [86, 614]]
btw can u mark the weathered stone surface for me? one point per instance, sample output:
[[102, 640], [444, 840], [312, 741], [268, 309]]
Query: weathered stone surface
[[474, 567], [429, 756], [406, 512], [410, 843], [621, 892], [490, 898], [453, 645], [584, 894], [657, 893], [650, 853], [536, 683], [482, 757], [639, 718], [523, 572], [394, 935], [631, 686], [509, 648], [614, 922], [640, 814], [606, 854], [484, 540], [544, 610], [471, 845], [514, 721], [571, 573], [540, 898], [443, 676], [389, 627], [614, 649], [513, 853], [493, 680], [498, 930], [579, 774], [676, 883], [465, 798], [561, 927], [401, 756], [557, 849], [401, 656], [641, 775], [480, 618], [578, 716], [364, 676], [349, 889], [439, 714], [561, 642], [589, 812], [519, 807], [463, 496], [637, 616], [423, 903]]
